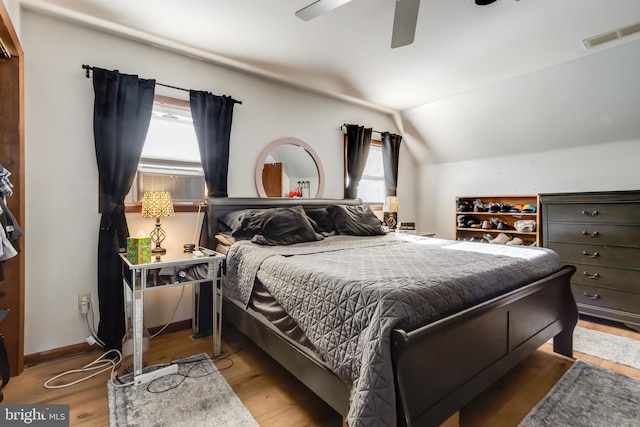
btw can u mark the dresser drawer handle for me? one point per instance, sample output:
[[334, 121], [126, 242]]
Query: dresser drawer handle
[[586, 233], [596, 254], [591, 276], [594, 213], [593, 297]]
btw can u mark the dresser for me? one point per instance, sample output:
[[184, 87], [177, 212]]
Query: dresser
[[599, 233]]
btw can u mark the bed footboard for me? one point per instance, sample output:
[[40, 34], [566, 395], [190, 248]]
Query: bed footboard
[[442, 366]]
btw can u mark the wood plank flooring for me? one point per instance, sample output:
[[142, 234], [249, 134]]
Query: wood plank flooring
[[275, 398]]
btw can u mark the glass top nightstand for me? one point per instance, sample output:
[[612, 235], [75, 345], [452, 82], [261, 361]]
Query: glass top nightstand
[[184, 268]]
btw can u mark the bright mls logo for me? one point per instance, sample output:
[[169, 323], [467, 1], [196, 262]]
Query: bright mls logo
[[34, 415]]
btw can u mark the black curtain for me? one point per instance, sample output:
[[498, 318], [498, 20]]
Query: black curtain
[[212, 117], [358, 143], [121, 116], [390, 155]]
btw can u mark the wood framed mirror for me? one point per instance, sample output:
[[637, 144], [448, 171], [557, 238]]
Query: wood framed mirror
[[286, 165]]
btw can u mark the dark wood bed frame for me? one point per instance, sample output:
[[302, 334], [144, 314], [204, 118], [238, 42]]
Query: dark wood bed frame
[[439, 367]]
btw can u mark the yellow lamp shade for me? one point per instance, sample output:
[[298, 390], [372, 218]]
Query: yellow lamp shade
[[157, 204]]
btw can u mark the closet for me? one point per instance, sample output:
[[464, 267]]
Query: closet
[[12, 159]]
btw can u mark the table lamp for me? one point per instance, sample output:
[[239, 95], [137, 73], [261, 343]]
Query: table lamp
[[390, 212], [157, 204]]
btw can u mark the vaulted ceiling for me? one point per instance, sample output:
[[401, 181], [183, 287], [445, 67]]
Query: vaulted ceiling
[[460, 52]]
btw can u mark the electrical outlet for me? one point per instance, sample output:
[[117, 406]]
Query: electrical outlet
[[84, 300]]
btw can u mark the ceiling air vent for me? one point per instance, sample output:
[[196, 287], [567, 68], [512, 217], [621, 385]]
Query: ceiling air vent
[[611, 35]]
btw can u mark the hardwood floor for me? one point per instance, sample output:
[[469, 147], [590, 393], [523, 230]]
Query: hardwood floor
[[275, 398]]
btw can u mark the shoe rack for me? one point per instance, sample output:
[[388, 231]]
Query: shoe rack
[[476, 232]]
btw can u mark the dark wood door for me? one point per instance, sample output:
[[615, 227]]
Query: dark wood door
[[272, 179]]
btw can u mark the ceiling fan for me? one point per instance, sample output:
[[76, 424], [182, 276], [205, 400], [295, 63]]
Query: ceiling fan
[[405, 18]]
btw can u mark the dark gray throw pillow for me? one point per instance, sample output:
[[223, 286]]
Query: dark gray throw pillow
[[355, 220], [283, 226], [321, 220], [243, 224]]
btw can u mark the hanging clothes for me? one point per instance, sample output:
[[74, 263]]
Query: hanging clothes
[[9, 223], [7, 251], [10, 230], [6, 188]]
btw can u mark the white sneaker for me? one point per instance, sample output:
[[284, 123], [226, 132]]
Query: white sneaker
[[500, 239], [516, 241]]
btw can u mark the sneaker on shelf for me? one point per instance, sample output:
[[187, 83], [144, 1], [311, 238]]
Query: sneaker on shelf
[[516, 241], [465, 207], [500, 239], [494, 207], [472, 222], [478, 206]]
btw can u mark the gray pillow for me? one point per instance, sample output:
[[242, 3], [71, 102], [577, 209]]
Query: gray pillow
[[237, 222], [321, 220], [282, 226], [356, 220]]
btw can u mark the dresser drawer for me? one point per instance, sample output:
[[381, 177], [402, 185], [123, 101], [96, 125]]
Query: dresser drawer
[[608, 298], [609, 256], [615, 278], [616, 213], [595, 234]]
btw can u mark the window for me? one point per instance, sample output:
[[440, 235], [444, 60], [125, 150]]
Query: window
[[170, 158], [171, 133], [371, 188]]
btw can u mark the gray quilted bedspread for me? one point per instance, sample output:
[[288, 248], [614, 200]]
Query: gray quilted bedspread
[[347, 294]]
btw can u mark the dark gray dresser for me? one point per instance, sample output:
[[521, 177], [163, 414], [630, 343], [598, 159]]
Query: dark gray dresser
[[599, 233]]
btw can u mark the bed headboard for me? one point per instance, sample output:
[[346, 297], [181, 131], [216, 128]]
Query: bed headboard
[[219, 206]]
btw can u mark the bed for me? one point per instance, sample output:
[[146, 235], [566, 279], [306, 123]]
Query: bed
[[422, 352]]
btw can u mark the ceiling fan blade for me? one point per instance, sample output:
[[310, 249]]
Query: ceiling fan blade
[[319, 7], [405, 20]]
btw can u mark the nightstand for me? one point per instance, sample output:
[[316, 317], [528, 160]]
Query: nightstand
[[182, 268]]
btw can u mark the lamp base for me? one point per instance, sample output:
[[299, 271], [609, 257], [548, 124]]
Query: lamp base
[[157, 236], [158, 250], [391, 220]]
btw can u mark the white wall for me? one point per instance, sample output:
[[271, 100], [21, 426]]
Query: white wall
[[603, 167], [61, 174], [574, 126], [13, 8]]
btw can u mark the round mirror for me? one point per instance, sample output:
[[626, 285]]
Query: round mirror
[[288, 167]]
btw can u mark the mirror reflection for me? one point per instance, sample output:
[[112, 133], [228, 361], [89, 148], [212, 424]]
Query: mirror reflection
[[288, 167]]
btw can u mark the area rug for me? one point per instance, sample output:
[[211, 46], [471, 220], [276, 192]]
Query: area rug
[[198, 395], [588, 396], [621, 350]]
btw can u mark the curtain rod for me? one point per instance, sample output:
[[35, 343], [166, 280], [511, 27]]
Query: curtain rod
[[89, 68], [372, 130]]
